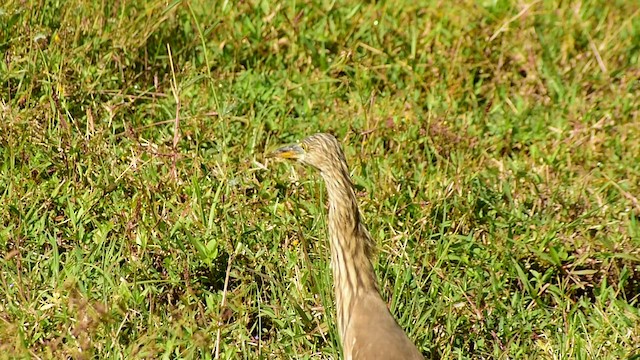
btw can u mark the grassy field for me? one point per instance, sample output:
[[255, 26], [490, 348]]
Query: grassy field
[[494, 146]]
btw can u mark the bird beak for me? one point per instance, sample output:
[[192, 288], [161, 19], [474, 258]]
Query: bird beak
[[293, 152]]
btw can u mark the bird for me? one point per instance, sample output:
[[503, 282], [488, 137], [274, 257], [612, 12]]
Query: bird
[[365, 325]]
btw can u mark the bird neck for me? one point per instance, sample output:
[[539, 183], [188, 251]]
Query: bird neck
[[350, 244]]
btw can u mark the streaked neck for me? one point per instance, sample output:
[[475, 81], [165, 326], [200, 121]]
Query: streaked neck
[[352, 270]]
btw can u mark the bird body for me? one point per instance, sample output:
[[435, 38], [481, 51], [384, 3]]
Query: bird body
[[366, 327]]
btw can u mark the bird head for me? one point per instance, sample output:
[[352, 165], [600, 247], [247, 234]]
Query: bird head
[[321, 151]]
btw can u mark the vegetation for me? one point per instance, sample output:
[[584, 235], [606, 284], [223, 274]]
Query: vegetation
[[494, 145]]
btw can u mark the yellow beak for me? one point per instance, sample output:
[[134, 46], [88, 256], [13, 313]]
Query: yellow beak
[[288, 152]]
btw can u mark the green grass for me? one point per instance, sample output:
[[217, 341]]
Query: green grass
[[493, 144]]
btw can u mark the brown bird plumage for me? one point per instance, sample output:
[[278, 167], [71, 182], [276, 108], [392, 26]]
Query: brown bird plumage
[[366, 327]]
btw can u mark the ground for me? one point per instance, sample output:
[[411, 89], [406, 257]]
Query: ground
[[493, 144]]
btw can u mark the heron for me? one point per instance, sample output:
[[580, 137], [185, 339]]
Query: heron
[[366, 327]]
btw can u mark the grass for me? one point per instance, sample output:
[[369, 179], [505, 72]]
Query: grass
[[493, 145]]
